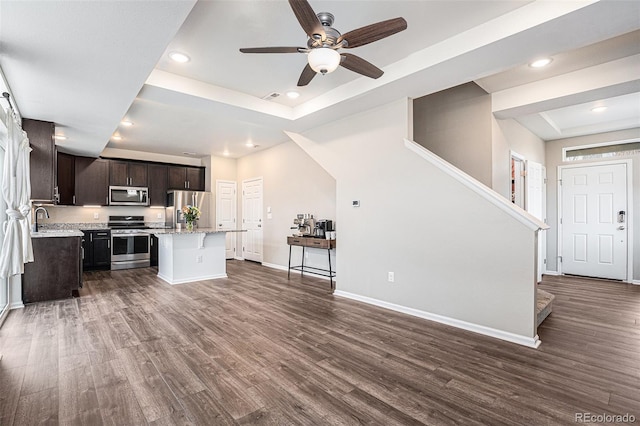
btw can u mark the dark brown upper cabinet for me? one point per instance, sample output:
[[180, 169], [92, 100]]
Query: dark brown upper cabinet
[[127, 173], [191, 178], [66, 178], [42, 159], [92, 181], [157, 185]]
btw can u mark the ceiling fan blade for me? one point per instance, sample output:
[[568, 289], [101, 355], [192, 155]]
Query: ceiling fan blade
[[307, 75], [271, 49], [373, 32], [359, 65], [308, 19]]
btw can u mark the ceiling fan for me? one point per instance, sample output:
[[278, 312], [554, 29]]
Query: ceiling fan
[[324, 42]]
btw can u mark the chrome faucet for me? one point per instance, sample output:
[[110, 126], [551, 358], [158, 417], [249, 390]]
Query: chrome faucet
[[35, 214]]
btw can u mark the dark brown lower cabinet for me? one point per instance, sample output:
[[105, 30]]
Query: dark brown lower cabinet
[[56, 272], [96, 249], [154, 250]]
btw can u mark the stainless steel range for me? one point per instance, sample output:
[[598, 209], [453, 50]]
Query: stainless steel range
[[129, 242]]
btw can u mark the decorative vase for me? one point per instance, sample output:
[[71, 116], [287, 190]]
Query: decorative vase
[[189, 225]]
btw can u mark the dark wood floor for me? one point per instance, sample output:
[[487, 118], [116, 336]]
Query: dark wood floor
[[257, 349]]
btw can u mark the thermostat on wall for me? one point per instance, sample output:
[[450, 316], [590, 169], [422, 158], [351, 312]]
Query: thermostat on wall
[[355, 203]]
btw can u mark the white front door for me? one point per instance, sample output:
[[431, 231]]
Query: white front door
[[252, 219], [594, 221], [226, 214]]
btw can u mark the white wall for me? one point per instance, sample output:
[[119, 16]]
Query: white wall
[[554, 159], [509, 135], [455, 124], [453, 254], [293, 183]]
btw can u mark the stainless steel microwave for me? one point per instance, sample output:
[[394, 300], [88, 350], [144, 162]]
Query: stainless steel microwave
[[128, 196]]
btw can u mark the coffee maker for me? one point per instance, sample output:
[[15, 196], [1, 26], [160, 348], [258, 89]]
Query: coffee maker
[[305, 224], [322, 227]]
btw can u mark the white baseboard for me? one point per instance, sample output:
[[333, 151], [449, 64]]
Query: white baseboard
[[294, 271], [532, 342], [16, 305], [636, 282], [238, 258], [191, 280], [548, 272]]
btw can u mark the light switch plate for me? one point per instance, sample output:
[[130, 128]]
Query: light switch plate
[[96, 215]]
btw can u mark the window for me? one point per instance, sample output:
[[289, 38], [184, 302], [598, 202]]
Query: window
[[604, 150]]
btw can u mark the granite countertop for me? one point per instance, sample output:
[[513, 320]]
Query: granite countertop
[[173, 231], [56, 233]]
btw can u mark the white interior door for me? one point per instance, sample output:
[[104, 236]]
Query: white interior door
[[252, 219], [536, 205], [226, 214], [594, 221]]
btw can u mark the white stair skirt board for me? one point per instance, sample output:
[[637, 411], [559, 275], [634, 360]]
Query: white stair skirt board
[[284, 268], [191, 280], [531, 342]]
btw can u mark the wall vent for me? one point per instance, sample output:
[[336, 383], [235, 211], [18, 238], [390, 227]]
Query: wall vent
[[271, 96]]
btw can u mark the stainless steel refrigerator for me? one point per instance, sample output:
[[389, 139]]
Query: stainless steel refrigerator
[[178, 199]]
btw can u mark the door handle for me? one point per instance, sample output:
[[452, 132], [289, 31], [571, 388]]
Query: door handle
[[620, 228]]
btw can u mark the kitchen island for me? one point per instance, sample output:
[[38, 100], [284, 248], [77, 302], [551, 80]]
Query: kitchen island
[[188, 256], [56, 270]]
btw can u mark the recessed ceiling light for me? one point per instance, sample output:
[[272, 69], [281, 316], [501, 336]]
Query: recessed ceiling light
[[250, 144], [179, 57], [293, 94], [226, 153], [116, 138], [599, 108], [60, 137], [539, 63], [126, 123]]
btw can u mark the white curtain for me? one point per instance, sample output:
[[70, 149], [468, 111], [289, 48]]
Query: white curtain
[[16, 190]]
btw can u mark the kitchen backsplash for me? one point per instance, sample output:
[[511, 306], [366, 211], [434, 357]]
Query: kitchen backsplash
[[99, 215]]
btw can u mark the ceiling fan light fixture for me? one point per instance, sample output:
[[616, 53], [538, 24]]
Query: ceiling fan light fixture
[[323, 60]]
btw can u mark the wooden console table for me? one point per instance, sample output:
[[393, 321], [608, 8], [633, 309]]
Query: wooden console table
[[314, 243]]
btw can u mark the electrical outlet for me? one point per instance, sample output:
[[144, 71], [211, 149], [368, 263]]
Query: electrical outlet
[[198, 259], [306, 254], [391, 277], [159, 216], [96, 215]]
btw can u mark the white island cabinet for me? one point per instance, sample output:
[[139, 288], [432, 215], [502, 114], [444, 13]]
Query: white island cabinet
[[188, 256]]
